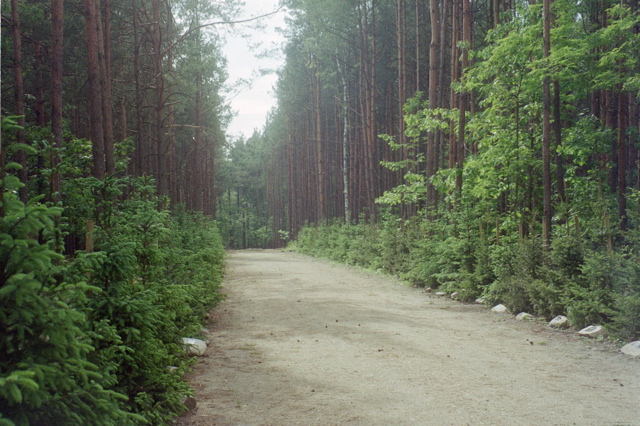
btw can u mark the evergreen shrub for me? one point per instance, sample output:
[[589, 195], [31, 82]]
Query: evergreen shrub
[[87, 338]]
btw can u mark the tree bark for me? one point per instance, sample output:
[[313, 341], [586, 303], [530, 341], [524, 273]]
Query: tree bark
[[433, 94], [455, 78], [57, 14], [367, 101], [623, 110], [104, 52], [19, 96], [401, 42], [345, 143], [464, 99], [320, 154], [137, 161], [196, 171], [557, 126], [161, 148], [39, 109], [546, 130], [95, 89]]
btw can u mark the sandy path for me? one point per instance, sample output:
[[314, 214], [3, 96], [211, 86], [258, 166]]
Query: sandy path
[[304, 341]]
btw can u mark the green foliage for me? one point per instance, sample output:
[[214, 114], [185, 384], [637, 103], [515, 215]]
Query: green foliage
[[46, 372], [88, 338], [158, 277], [486, 240], [243, 217], [588, 285], [193, 271]]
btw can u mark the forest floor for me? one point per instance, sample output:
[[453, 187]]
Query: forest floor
[[305, 341]]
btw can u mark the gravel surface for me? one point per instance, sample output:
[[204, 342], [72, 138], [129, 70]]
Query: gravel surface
[[304, 341]]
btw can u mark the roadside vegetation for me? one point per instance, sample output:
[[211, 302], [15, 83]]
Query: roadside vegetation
[[112, 120], [96, 292], [577, 277]]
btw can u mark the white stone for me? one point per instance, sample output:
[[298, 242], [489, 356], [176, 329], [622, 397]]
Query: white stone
[[592, 331], [559, 322], [500, 309], [455, 295], [480, 300], [632, 349], [441, 293], [523, 316], [194, 346]]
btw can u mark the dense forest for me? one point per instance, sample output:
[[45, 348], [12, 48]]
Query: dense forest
[[112, 124], [489, 148]]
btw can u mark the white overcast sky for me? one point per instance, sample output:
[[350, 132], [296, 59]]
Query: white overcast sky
[[253, 102]]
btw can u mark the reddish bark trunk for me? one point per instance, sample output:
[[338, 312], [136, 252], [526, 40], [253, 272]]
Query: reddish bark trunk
[[104, 46], [433, 94], [95, 89], [546, 130], [57, 13], [19, 96]]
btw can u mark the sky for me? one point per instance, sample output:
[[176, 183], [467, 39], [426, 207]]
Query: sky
[[253, 102]]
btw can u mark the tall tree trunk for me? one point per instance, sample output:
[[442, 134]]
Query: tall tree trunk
[[57, 14], [39, 109], [196, 170], [464, 98], [557, 126], [345, 141], [104, 34], [123, 119], [433, 94], [293, 181], [455, 78], [623, 110], [418, 45], [38, 68], [371, 99], [138, 159], [19, 96], [95, 89], [401, 42], [546, 130], [367, 100], [320, 154], [161, 145], [170, 158]]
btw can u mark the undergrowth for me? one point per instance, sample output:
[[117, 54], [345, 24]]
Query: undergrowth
[[88, 336], [576, 277]]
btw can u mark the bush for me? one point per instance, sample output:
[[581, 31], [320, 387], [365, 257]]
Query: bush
[[88, 339], [586, 284], [46, 371]]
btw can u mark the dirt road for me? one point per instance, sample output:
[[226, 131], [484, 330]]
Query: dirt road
[[304, 341]]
